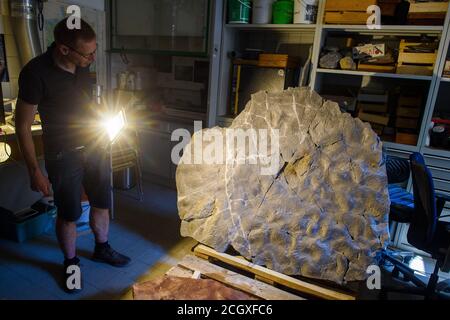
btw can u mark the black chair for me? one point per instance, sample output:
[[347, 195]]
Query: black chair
[[426, 232]]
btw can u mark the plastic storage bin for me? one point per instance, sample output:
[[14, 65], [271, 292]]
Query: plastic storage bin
[[24, 225]]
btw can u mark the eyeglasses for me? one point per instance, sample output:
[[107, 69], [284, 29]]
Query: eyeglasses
[[86, 56]]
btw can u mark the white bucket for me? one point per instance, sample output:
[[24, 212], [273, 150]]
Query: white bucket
[[262, 11], [305, 11]]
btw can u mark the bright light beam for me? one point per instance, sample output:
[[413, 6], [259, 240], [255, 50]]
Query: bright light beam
[[115, 125]]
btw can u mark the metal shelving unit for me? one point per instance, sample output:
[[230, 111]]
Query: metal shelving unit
[[230, 35], [320, 31], [274, 27], [387, 29], [436, 158], [376, 74], [399, 30]]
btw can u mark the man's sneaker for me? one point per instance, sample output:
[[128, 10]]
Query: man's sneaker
[[110, 256], [72, 277]]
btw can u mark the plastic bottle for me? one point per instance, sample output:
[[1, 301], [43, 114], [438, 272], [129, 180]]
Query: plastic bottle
[[305, 11]]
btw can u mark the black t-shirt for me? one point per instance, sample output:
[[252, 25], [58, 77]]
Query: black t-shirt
[[63, 99]]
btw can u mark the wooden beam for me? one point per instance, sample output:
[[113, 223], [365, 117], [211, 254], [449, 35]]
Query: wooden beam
[[179, 272], [235, 280], [301, 286]]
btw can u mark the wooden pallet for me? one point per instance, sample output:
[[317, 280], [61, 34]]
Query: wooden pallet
[[263, 277], [195, 267]]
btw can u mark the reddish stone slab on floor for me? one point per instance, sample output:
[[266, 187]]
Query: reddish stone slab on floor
[[175, 288]]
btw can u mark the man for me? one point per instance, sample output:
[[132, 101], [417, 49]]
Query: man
[[57, 84]]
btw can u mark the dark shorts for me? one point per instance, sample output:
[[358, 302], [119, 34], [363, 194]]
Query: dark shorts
[[69, 172]]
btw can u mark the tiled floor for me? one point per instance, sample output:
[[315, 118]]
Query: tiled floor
[[144, 231]]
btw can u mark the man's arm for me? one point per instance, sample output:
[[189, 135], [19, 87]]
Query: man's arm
[[24, 119]]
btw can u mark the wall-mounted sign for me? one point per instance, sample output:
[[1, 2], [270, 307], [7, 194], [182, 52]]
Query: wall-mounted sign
[[5, 152]]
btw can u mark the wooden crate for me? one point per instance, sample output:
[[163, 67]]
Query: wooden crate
[[426, 19], [261, 282], [406, 123], [406, 138], [277, 61], [376, 68], [415, 63], [346, 17], [409, 105], [348, 5], [347, 11], [427, 7], [411, 101], [407, 112], [373, 107], [427, 13], [382, 119], [388, 7], [373, 96]]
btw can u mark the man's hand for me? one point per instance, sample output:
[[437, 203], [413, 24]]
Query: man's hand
[[40, 183]]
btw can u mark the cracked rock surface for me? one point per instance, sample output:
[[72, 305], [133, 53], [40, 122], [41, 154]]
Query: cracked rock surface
[[322, 214]]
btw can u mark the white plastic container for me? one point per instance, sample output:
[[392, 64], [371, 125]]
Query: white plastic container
[[305, 11], [262, 11]]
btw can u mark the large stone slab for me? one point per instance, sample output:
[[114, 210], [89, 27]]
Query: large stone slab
[[176, 288], [323, 213]]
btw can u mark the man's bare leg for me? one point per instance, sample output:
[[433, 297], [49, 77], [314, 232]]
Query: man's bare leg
[[99, 222], [66, 232]]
